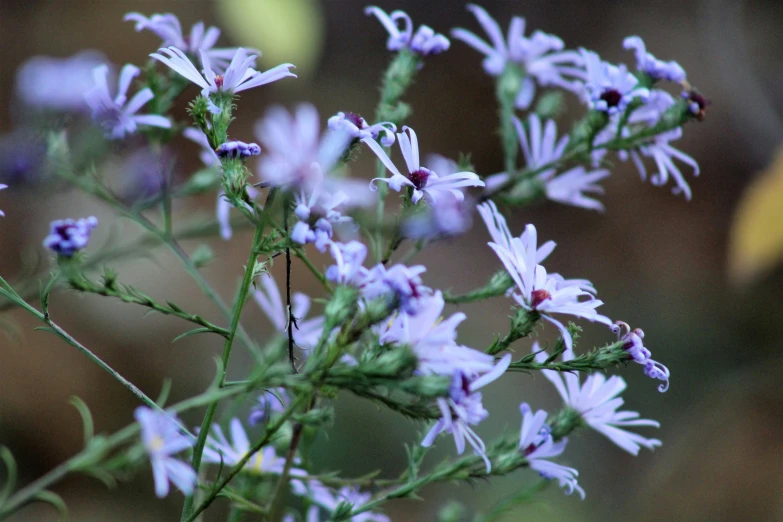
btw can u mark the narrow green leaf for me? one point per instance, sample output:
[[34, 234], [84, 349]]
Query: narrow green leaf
[[89, 425], [10, 466], [56, 501], [191, 332]]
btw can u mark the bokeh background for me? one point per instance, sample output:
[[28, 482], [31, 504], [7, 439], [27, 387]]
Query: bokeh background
[[659, 262]]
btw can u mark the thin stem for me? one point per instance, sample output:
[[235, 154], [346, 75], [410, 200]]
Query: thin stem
[[239, 303], [55, 328], [276, 503], [234, 471], [291, 319]]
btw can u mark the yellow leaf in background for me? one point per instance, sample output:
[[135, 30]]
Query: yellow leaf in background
[[286, 31], [756, 243]]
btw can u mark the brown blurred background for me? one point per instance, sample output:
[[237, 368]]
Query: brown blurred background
[[658, 261]]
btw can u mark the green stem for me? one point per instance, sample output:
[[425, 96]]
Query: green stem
[[236, 313], [27, 494], [237, 468], [8, 292], [130, 295]]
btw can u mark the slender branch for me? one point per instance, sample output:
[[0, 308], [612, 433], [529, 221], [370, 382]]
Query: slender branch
[[131, 295], [239, 303], [263, 441]]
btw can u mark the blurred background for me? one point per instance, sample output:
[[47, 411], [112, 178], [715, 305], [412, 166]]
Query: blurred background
[[700, 277]]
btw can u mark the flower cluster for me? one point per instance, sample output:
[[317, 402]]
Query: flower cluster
[[67, 236], [377, 330]]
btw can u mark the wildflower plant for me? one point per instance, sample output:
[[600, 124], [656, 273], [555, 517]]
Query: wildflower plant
[[378, 329]]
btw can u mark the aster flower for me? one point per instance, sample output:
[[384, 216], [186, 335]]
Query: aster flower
[[317, 215], [162, 440], [664, 155], [295, 153], [572, 187], [609, 88], [463, 409], [650, 65], [238, 149], [358, 128], [325, 498], [424, 42], [596, 401], [541, 55], [541, 149], [447, 216], [537, 445], [535, 290], [274, 400], [640, 354], [238, 77], [68, 236], [57, 83], [432, 339], [403, 282], [218, 449], [307, 331], [115, 116], [211, 159], [168, 29], [348, 268], [421, 180]]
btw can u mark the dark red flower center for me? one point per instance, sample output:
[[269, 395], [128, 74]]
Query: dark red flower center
[[219, 81], [62, 230], [612, 97], [356, 120], [538, 297], [419, 178]]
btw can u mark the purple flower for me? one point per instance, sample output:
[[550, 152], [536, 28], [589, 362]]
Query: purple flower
[[162, 439], [541, 150], [274, 400], [541, 55], [650, 65], [115, 116], [238, 149], [609, 88], [664, 155], [168, 29], [537, 445], [421, 180], [572, 187], [317, 214], [432, 339], [596, 401], [359, 129], [218, 449], [640, 354], [66, 236], [425, 42], [401, 281], [446, 216], [323, 497], [238, 77], [57, 83], [659, 148], [3, 186], [348, 269], [535, 290], [268, 298], [463, 409], [296, 154]]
